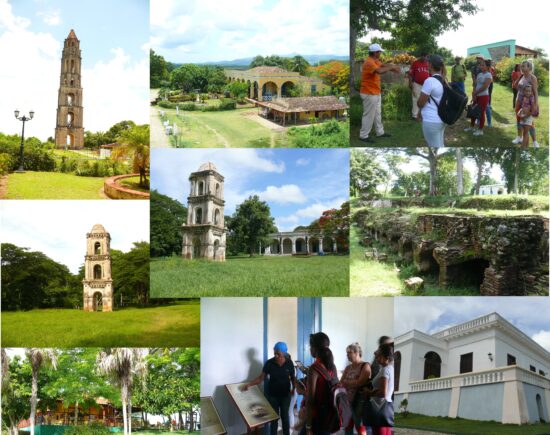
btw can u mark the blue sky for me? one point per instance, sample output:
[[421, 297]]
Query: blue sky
[[433, 314], [297, 184], [114, 39], [211, 30]]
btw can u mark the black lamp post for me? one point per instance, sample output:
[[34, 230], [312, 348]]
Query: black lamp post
[[24, 119]]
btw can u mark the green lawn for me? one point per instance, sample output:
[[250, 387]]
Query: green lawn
[[257, 276], [53, 185], [409, 133], [228, 128], [172, 326], [373, 278], [133, 183], [460, 426]]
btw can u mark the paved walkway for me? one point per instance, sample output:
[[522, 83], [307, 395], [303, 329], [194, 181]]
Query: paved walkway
[[159, 139]]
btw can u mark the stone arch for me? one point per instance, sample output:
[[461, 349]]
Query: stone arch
[[269, 90], [467, 273], [216, 249], [70, 140], [301, 246], [432, 365], [198, 215], [70, 118], [200, 188], [275, 246], [218, 190], [196, 247], [97, 301], [314, 244], [327, 244], [286, 87], [97, 248], [217, 219], [72, 66], [287, 246], [255, 90], [397, 369], [70, 99], [97, 272]]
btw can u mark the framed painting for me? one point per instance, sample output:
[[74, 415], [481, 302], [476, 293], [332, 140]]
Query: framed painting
[[252, 404]]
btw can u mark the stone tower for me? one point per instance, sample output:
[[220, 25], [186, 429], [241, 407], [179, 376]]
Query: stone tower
[[98, 283], [204, 232], [69, 130]]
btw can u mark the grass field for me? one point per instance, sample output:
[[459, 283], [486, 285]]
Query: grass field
[[228, 128], [257, 276], [133, 183], [503, 130], [53, 185], [172, 326], [460, 426], [373, 278]]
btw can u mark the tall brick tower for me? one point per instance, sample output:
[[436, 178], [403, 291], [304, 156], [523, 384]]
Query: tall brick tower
[[69, 130]]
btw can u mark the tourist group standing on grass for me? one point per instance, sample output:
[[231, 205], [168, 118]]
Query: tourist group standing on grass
[[438, 102], [361, 398]]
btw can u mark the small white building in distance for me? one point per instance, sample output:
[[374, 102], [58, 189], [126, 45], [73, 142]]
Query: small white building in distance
[[484, 369], [492, 189]]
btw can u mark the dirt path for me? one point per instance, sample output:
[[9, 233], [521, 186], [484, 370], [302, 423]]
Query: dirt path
[[159, 139], [3, 187], [222, 139]]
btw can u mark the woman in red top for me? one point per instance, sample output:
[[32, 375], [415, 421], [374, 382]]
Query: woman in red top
[[516, 75], [319, 406]]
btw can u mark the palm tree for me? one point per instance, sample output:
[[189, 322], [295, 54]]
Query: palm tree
[[122, 364], [38, 358], [134, 144]]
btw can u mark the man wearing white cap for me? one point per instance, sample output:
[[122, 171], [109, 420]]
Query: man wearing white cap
[[371, 90]]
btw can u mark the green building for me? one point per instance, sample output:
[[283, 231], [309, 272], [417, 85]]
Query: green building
[[498, 50]]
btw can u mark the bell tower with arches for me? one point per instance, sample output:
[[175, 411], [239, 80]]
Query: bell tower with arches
[[98, 283], [204, 233], [69, 129]]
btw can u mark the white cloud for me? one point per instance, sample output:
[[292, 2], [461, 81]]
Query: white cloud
[[286, 194], [306, 215], [113, 90], [51, 18], [303, 162], [543, 338], [58, 228]]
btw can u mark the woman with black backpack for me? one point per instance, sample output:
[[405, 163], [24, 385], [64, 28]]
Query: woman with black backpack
[[321, 418]]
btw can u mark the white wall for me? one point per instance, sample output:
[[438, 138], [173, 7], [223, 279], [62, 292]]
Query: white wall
[[282, 324], [480, 344], [362, 320], [524, 356], [231, 350]]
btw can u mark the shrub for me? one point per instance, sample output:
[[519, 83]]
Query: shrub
[[167, 104], [329, 134], [188, 106], [504, 68], [6, 163], [396, 103], [210, 108], [91, 429], [227, 104]]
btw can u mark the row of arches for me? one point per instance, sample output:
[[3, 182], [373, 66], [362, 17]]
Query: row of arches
[[198, 249], [302, 245], [199, 188], [199, 218], [269, 89]]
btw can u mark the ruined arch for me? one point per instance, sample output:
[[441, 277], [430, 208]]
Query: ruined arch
[[196, 247], [432, 365], [97, 299], [97, 272]]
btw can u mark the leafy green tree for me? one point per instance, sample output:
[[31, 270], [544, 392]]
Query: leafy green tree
[[238, 89], [298, 64], [525, 170], [131, 273], [16, 393], [158, 69], [39, 358], [167, 217], [366, 173], [134, 144], [334, 223], [76, 381], [484, 158], [251, 223], [114, 132]]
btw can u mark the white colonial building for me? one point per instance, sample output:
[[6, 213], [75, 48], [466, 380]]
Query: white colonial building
[[300, 242], [484, 369]]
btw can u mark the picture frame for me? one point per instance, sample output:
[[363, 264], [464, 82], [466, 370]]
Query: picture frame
[[252, 404]]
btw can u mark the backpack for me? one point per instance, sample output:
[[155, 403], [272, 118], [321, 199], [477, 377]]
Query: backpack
[[338, 414], [463, 68], [452, 103]]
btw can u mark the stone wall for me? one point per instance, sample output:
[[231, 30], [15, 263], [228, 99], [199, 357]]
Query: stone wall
[[116, 191], [501, 255]]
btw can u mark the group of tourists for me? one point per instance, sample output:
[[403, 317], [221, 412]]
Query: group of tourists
[[361, 398], [429, 85]]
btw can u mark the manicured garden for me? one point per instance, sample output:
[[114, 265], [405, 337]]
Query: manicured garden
[[174, 326], [257, 276], [52, 185], [460, 426]]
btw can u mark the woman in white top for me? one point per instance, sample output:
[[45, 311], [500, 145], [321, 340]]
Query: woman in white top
[[432, 89], [382, 387]]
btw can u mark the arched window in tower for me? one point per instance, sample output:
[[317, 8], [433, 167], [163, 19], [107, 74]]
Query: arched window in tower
[[432, 365], [97, 248], [72, 82], [217, 219], [70, 140], [201, 188], [72, 66], [70, 99], [70, 118], [218, 190], [198, 215], [97, 271]]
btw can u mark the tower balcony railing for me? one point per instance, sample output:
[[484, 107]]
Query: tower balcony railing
[[492, 376]]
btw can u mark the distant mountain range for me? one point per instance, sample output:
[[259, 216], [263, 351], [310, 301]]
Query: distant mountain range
[[311, 58]]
